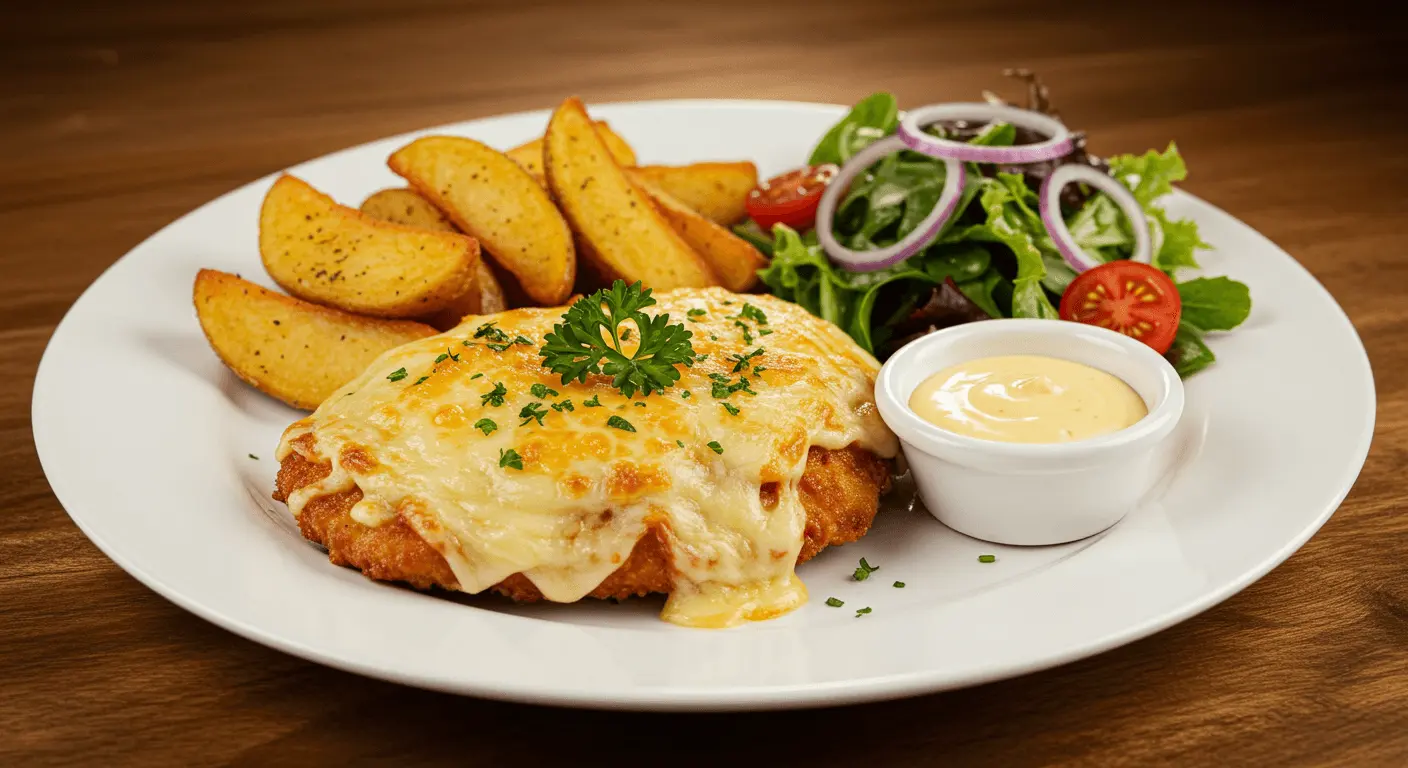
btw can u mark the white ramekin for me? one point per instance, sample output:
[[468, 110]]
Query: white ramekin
[[1012, 493]]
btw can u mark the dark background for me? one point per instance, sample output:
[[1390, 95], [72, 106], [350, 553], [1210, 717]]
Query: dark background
[[117, 117]]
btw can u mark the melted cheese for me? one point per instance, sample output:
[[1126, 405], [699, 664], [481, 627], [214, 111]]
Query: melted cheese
[[587, 491]]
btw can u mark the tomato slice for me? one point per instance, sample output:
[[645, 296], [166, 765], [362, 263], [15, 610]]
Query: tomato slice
[[791, 198], [1126, 296]]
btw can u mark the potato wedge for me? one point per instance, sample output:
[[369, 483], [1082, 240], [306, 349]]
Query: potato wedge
[[732, 258], [627, 235], [530, 155], [403, 206], [289, 349], [718, 191], [330, 254], [493, 199]]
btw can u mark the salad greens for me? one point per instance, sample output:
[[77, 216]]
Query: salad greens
[[994, 250]]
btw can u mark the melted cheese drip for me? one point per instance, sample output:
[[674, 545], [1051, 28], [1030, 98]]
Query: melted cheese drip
[[588, 492]]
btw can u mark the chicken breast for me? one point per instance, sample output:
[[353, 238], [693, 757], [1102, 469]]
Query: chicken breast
[[460, 462]]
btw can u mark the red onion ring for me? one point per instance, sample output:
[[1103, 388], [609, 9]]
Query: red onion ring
[[928, 229], [1059, 145], [1056, 223]]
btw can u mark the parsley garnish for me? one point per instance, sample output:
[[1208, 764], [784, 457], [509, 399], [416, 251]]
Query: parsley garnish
[[500, 347], [475, 376], [731, 408], [695, 314], [397, 375], [448, 355], [252, 456], [741, 361], [863, 572], [899, 585], [834, 603], [565, 405], [680, 443], [685, 395], [510, 458], [620, 423], [576, 347], [639, 403], [764, 331], [418, 381], [862, 611], [625, 334], [715, 447], [540, 390], [758, 369], [494, 397], [702, 358], [486, 425], [522, 340], [488, 331], [747, 332], [987, 558], [442, 358], [750, 312], [595, 402], [532, 411]]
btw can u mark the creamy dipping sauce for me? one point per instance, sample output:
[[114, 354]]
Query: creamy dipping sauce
[[1027, 399]]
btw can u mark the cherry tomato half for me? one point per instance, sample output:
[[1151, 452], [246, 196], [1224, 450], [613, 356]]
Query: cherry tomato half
[[791, 198], [1126, 296]]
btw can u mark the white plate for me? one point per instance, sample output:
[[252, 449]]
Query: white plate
[[145, 438]]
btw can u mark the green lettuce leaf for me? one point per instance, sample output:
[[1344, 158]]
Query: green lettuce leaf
[[1180, 241], [1150, 175], [1215, 303], [1189, 354], [874, 117]]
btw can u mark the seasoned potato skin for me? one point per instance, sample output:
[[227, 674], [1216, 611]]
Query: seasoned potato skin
[[718, 191], [530, 155], [483, 296], [491, 197], [337, 256], [732, 258], [289, 349], [625, 235]]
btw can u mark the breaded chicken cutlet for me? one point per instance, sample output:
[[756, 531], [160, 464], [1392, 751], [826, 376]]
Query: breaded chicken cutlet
[[460, 462]]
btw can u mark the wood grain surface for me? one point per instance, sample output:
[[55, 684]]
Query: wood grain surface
[[117, 117]]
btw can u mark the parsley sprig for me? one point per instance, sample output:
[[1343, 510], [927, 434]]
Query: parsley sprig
[[588, 341]]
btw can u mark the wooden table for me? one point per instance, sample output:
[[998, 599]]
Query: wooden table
[[115, 118]]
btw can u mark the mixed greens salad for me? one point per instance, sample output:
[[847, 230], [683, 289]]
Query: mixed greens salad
[[993, 258]]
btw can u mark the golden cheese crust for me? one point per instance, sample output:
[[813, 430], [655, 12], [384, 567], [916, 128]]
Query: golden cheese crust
[[840, 491]]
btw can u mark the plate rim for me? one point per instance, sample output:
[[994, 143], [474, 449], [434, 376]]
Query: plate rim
[[790, 696]]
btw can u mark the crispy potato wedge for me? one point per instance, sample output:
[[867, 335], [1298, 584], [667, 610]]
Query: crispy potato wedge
[[530, 155], [289, 349], [627, 236], [330, 254], [493, 199], [718, 191], [403, 206], [732, 258]]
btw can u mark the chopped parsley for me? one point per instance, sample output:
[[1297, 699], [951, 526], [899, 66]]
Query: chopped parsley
[[397, 375], [540, 390], [758, 369], [565, 405], [475, 376], [724, 386], [750, 312], [587, 342], [620, 423], [494, 397], [862, 611], [685, 395], [488, 331], [764, 331], [522, 340], [834, 603], [486, 425], [680, 443], [639, 403], [252, 456], [987, 558], [863, 572], [715, 447], [731, 408], [420, 380], [595, 402], [747, 332], [694, 314], [447, 355], [532, 411], [510, 458], [899, 585], [500, 347], [442, 358], [741, 362]]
